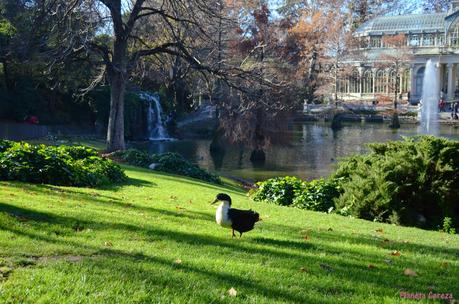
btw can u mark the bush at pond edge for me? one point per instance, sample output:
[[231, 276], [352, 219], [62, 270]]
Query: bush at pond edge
[[62, 165]]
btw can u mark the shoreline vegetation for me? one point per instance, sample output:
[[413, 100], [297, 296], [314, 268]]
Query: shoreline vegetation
[[365, 186], [361, 111], [411, 182]]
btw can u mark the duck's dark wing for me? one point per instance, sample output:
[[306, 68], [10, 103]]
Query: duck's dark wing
[[243, 220]]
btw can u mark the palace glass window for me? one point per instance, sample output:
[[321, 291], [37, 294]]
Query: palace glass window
[[406, 81], [415, 40], [375, 42], [368, 82], [380, 81], [392, 82], [440, 40], [419, 80], [428, 40], [354, 82], [343, 85], [453, 34]]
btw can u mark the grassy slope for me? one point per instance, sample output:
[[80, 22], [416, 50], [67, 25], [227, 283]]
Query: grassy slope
[[155, 240]]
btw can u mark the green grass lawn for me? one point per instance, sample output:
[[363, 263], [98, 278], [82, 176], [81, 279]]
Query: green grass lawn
[[155, 241]]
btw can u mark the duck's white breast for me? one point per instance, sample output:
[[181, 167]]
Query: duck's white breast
[[221, 216]]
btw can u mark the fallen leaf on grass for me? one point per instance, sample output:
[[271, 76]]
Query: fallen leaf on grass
[[108, 244], [380, 230], [232, 292], [306, 238], [395, 253], [178, 261], [410, 272], [190, 202], [179, 208], [371, 266], [444, 264], [173, 197]]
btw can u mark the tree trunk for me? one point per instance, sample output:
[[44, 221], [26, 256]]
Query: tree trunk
[[115, 132], [118, 77], [395, 122], [336, 123], [258, 155]]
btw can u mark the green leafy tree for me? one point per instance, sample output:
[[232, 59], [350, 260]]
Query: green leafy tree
[[7, 32]]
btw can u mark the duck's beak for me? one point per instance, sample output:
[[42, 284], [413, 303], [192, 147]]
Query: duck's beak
[[216, 200]]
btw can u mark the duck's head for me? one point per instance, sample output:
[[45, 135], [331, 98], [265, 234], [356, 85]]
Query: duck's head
[[222, 197]]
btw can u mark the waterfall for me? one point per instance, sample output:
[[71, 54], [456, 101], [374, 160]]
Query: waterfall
[[430, 98], [156, 129]]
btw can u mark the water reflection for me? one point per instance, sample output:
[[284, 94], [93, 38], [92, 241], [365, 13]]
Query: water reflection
[[312, 153]]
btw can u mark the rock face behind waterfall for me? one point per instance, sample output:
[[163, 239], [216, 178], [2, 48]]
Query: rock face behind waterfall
[[156, 129], [200, 123]]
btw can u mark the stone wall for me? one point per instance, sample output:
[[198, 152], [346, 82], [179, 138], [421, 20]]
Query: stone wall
[[22, 131]]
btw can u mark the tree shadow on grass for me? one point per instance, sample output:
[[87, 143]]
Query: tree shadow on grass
[[227, 279], [27, 214], [150, 231], [200, 183], [64, 192], [327, 236], [120, 268], [112, 187], [129, 182], [349, 269], [297, 245], [223, 277], [85, 194], [105, 200], [380, 241]]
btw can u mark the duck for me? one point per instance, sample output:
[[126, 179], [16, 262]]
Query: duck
[[234, 219]]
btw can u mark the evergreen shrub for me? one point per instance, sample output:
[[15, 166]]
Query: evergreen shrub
[[62, 165]]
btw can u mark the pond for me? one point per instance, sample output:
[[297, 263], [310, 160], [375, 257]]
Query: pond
[[312, 150]]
